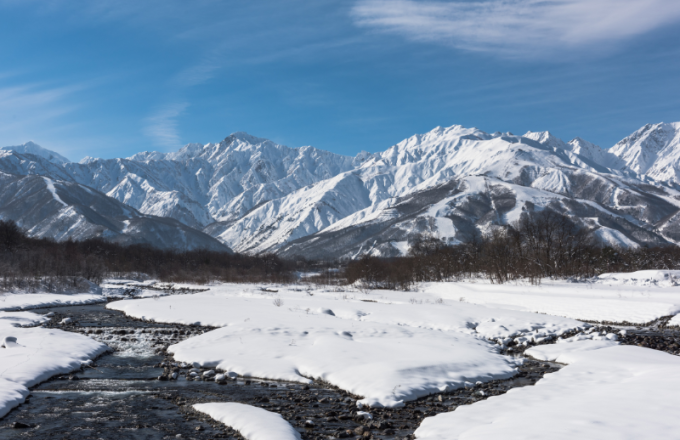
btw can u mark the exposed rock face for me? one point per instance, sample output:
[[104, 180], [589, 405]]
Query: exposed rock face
[[255, 196]]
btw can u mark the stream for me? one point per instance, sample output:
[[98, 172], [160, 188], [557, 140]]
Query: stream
[[121, 395]]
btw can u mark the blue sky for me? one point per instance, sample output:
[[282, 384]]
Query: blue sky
[[109, 80]]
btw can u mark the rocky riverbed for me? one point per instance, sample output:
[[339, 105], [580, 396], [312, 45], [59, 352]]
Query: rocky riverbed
[[138, 391]]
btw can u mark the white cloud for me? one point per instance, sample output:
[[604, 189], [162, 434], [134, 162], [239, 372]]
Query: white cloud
[[518, 27], [162, 126]]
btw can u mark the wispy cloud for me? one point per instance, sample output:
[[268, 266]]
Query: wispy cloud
[[162, 126], [518, 27], [26, 108]]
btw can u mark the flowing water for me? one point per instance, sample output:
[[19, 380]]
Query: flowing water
[[121, 396]]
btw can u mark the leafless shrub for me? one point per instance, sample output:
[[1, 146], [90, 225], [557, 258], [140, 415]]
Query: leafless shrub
[[540, 245], [278, 302], [41, 264]]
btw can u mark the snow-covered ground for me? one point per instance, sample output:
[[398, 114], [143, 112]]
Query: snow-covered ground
[[604, 392], [251, 422], [390, 347], [636, 297], [31, 355], [385, 346], [26, 301], [675, 321]]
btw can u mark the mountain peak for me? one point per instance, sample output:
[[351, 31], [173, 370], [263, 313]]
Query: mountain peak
[[653, 149], [546, 138], [36, 150], [244, 137]]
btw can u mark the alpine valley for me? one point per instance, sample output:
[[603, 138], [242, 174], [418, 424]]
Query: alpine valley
[[253, 196]]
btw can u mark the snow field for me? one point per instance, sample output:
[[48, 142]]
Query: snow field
[[24, 301], [636, 298], [388, 351], [251, 422], [36, 355], [605, 391]]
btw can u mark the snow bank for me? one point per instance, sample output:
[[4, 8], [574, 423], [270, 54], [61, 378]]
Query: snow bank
[[25, 301], [386, 351], [660, 278], [637, 303], [11, 394], [251, 422], [37, 355], [605, 391]]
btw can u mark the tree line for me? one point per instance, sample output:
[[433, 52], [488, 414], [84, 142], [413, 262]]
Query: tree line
[[31, 263], [539, 245]]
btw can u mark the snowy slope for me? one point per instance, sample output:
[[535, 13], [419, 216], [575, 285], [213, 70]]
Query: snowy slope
[[37, 150], [201, 184], [62, 210], [257, 196], [653, 150], [399, 193], [22, 164]]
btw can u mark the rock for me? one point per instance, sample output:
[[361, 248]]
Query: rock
[[221, 378], [66, 321], [231, 375], [364, 415], [19, 425], [359, 430], [73, 377], [199, 428], [208, 374]]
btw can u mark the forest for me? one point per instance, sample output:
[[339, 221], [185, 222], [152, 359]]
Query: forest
[[540, 245], [42, 263]]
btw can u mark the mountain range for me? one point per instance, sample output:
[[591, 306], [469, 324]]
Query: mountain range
[[254, 196]]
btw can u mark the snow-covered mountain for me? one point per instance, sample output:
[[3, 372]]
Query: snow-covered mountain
[[653, 150], [202, 184], [61, 210], [449, 183], [257, 196], [37, 150]]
